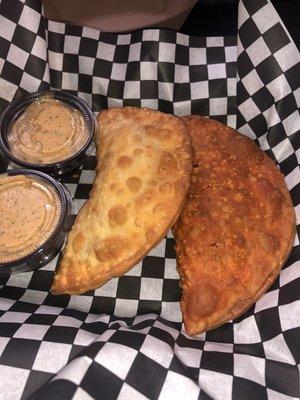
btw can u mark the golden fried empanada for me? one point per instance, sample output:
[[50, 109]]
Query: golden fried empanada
[[235, 230], [142, 177]]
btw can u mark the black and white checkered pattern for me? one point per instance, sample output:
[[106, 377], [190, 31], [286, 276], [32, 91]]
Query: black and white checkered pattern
[[125, 340], [150, 68]]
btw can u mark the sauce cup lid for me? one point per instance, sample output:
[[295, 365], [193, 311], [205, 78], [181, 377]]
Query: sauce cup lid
[[17, 107], [45, 245]]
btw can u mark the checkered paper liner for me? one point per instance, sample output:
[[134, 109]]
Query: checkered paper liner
[[126, 340]]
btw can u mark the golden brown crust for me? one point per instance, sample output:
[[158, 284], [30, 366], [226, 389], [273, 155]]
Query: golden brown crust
[[236, 229], [143, 174]]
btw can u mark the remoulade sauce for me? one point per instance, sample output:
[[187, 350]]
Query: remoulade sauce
[[30, 210], [47, 132]]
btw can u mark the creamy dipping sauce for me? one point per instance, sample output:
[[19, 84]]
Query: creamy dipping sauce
[[29, 213], [48, 131]]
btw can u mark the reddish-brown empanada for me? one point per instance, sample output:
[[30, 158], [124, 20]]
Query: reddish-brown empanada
[[236, 228]]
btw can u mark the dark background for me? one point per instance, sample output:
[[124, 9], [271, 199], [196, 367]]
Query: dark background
[[219, 18]]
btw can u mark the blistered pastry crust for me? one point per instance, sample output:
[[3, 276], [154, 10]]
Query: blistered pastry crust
[[142, 177]]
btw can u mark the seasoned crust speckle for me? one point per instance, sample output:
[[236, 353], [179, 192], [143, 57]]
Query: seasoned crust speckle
[[139, 189], [235, 230]]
